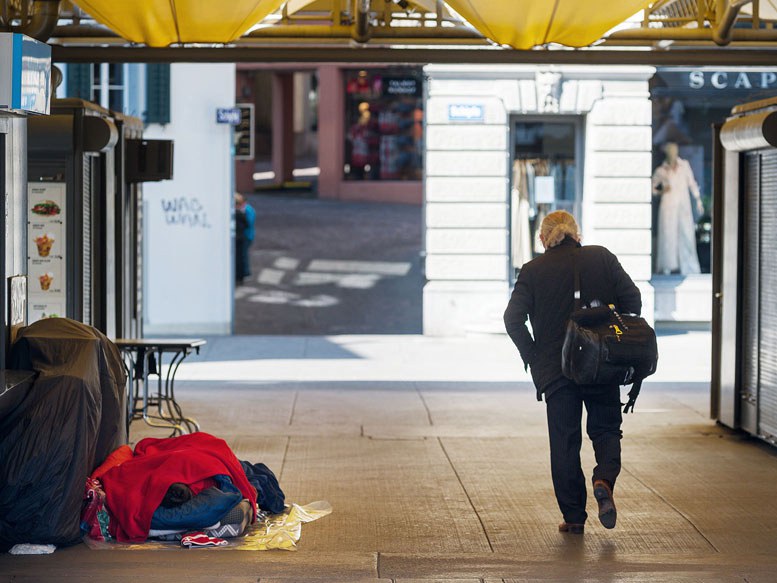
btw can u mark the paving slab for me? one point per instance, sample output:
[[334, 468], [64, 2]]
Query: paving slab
[[729, 498], [508, 481], [386, 495], [82, 564], [578, 566]]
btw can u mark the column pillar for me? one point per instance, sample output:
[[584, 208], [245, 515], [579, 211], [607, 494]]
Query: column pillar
[[283, 126]]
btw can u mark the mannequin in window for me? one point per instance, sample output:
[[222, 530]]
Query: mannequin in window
[[364, 144], [674, 183]]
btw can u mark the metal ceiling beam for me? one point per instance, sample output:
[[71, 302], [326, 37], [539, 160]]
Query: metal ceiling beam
[[420, 55], [301, 32], [696, 34], [726, 19]]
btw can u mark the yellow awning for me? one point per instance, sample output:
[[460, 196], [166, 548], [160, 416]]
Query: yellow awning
[[159, 23], [523, 24]]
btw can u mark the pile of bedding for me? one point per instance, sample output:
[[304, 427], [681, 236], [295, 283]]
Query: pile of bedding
[[168, 488]]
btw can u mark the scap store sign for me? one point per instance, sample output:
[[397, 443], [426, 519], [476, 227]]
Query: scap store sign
[[722, 80]]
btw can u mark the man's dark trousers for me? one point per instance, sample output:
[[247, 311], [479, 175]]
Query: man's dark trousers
[[565, 410]]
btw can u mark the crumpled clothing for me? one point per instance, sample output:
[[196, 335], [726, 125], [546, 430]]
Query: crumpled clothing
[[269, 495], [200, 539], [94, 502]]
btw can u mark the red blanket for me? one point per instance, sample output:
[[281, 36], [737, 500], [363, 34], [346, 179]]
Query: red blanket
[[135, 488]]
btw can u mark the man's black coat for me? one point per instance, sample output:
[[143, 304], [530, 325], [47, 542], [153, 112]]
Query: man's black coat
[[544, 292]]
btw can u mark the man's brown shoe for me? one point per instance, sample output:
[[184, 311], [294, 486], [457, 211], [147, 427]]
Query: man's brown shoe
[[571, 528], [607, 512]]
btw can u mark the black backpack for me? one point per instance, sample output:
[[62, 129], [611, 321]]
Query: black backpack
[[603, 347]]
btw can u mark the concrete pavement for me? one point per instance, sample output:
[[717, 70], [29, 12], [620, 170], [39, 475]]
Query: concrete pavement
[[433, 453]]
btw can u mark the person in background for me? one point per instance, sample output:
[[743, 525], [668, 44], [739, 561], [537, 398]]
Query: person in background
[[544, 293], [245, 217]]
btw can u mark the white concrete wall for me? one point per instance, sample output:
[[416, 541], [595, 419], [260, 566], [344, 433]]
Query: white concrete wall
[[188, 264], [467, 178], [466, 230], [616, 189]]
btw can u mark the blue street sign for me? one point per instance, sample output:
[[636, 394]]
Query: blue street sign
[[470, 112], [230, 115]]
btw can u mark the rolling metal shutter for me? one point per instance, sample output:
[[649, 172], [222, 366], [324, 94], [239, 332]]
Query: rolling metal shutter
[[86, 234], [750, 283], [767, 352]]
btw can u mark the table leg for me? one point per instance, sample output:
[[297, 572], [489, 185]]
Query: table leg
[[149, 419], [178, 358]]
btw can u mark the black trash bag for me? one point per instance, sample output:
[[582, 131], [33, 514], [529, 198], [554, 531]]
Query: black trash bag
[[70, 420]]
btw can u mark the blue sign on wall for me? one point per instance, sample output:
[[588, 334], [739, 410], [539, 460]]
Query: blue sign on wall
[[229, 115], [25, 74], [471, 112]]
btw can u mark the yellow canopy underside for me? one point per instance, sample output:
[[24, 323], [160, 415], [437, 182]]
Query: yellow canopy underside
[[521, 24], [159, 23]]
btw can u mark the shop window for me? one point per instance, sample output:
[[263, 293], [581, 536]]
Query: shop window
[[158, 93], [108, 85], [101, 83], [686, 103], [545, 178], [79, 81], [384, 124]]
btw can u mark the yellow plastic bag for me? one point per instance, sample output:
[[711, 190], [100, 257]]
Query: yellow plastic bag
[[282, 531]]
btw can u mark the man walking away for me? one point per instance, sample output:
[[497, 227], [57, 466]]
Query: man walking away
[[544, 293]]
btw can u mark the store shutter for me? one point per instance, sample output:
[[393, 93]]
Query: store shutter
[[750, 324], [158, 93], [79, 81], [86, 235], [767, 353]]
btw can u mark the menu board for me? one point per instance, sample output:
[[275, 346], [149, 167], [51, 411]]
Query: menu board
[[46, 267]]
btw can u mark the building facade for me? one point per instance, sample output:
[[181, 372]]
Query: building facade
[[187, 259], [507, 144]]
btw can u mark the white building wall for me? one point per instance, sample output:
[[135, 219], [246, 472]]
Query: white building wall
[[467, 179], [188, 257], [466, 230]]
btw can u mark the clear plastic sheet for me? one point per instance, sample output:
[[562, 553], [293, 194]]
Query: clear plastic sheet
[[277, 531]]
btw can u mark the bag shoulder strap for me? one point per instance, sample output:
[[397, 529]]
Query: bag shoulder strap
[[633, 394], [575, 256]]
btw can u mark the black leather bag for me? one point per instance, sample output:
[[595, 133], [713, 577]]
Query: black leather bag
[[603, 347]]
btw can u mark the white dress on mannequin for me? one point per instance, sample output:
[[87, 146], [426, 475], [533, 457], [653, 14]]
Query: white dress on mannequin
[[676, 248]]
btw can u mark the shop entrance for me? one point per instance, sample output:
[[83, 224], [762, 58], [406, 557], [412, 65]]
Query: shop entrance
[[276, 146], [547, 154]]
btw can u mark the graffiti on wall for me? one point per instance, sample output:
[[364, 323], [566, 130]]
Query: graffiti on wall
[[185, 212]]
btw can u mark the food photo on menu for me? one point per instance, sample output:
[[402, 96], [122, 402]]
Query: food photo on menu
[[45, 280], [46, 208], [44, 243]]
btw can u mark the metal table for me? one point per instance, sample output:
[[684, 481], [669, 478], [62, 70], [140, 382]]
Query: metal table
[[143, 358]]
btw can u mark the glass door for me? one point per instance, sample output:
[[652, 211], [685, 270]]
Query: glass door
[[545, 177]]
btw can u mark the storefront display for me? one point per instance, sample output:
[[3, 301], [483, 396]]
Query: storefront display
[[686, 103], [675, 187], [544, 179], [384, 124]]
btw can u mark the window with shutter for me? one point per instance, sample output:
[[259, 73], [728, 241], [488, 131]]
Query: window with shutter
[[158, 93], [79, 80]]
